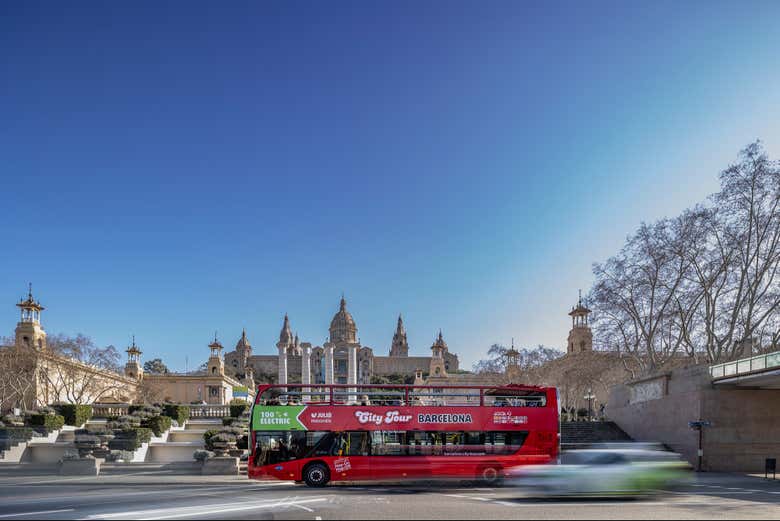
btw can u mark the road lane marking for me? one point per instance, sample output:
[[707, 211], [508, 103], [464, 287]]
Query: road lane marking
[[39, 513], [203, 510]]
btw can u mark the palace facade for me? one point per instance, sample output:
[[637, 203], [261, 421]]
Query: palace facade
[[340, 360]]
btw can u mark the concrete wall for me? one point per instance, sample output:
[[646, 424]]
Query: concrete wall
[[745, 423], [745, 430]]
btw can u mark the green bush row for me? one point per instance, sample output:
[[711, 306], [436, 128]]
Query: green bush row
[[131, 439], [74, 414], [237, 407], [180, 413], [50, 422], [157, 424]]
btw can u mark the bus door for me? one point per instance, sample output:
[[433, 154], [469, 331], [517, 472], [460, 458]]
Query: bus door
[[350, 456]]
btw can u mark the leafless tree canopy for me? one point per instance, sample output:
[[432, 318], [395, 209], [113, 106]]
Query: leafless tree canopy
[[703, 284], [83, 349], [528, 359]]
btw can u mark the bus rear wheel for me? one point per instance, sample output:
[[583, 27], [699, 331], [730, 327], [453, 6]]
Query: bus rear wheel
[[491, 476], [316, 475]]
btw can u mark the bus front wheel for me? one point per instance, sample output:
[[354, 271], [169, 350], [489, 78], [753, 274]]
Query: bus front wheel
[[316, 475]]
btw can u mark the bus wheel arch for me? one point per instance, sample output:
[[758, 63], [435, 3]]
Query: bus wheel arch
[[316, 474]]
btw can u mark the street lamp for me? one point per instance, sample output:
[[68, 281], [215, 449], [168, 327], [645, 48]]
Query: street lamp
[[590, 397], [700, 426]]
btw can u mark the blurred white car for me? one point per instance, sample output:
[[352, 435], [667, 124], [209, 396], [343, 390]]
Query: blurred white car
[[632, 471]]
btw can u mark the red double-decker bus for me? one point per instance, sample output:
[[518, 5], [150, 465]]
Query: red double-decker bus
[[321, 433]]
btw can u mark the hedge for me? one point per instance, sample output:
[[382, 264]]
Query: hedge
[[130, 440], [237, 409], [51, 422], [157, 424], [207, 437], [180, 413], [76, 415], [10, 436]]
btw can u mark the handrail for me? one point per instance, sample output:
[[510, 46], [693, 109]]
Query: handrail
[[745, 366]]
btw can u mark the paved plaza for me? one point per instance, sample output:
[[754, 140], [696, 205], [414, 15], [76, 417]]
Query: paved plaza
[[161, 495]]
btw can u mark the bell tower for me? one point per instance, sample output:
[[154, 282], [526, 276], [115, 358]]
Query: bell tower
[[580, 336], [512, 364], [400, 346], [133, 368], [29, 332], [438, 368], [216, 365]]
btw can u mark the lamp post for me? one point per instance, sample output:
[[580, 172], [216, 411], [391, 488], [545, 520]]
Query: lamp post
[[590, 397], [700, 425]]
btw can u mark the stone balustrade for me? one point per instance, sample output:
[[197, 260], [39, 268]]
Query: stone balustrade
[[209, 411], [105, 410]]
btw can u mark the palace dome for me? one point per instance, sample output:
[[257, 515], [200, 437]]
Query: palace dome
[[342, 327]]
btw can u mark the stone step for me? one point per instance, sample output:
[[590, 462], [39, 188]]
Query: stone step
[[169, 452], [203, 425], [182, 467], [187, 435]]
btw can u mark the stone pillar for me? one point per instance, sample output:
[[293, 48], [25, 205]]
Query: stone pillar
[[329, 364], [305, 363], [282, 378], [352, 371], [305, 369]]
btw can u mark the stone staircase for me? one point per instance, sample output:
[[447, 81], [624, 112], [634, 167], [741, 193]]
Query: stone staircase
[[181, 443], [578, 435]]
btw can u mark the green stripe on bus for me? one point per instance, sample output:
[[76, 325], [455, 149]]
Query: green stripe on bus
[[277, 418]]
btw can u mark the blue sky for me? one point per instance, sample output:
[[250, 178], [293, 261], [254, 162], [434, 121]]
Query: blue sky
[[172, 169]]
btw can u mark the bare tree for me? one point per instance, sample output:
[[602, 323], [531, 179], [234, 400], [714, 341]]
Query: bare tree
[[703, 284], [18, 378], [637, 294]]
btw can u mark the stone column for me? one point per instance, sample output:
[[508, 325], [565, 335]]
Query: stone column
[[329, 364], [282, 378], [306, 369], [352, 371]]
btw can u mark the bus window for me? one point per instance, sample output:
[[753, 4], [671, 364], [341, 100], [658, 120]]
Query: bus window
[[388, 443], [357, 444]]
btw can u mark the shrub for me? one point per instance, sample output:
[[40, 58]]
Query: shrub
[[223, 437], [180, 413], [74, 414], [208, 435], [144, 411], [11, 420], [130, 440], [119, 455], [202, 455], [50, 422], [10, 436], [157, 424], [237, 407]]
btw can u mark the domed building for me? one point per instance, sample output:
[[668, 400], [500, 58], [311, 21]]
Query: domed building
[[342, 359]]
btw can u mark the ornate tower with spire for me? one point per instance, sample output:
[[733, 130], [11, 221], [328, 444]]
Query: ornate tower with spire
[[133, 368], [216, 365], [580, 336], [244, 350], [400, 346], [512, 357], [438, 367], [285, 343], [29, 332]]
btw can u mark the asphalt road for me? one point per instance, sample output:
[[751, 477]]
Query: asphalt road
[[157, 495]]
